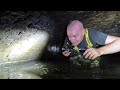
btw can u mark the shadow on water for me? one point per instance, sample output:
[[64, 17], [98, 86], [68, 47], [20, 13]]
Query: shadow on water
[[63, 69]]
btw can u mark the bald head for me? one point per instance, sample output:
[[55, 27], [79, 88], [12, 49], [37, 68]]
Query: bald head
[[75, 32], [75, 24]]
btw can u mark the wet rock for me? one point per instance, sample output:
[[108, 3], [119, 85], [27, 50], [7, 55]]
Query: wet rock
[[23, 75], [17, 27]]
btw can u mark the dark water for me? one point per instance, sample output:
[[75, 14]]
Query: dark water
[[109, 69], [60, 68]]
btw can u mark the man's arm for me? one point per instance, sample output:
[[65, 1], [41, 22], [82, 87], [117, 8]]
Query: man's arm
[[112, 45]]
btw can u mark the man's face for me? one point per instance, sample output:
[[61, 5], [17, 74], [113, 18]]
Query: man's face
[[75, 35]]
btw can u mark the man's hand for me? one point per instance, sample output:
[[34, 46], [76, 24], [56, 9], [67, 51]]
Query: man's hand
[[66, 53], [92, 53]]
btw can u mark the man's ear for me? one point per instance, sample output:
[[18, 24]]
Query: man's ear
[[83, 33]]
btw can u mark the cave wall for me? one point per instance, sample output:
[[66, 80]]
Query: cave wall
[[24, 35], [105, 21], [17, 26]]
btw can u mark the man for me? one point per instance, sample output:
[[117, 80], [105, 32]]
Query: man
[[89, 40]]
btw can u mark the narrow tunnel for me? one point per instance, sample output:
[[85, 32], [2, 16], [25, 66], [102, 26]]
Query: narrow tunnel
[[31, 42]]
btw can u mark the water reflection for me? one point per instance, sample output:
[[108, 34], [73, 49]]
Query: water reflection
[[109, 69], [61, 69]]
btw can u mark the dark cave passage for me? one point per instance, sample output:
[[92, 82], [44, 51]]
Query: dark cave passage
[[33, 40]]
